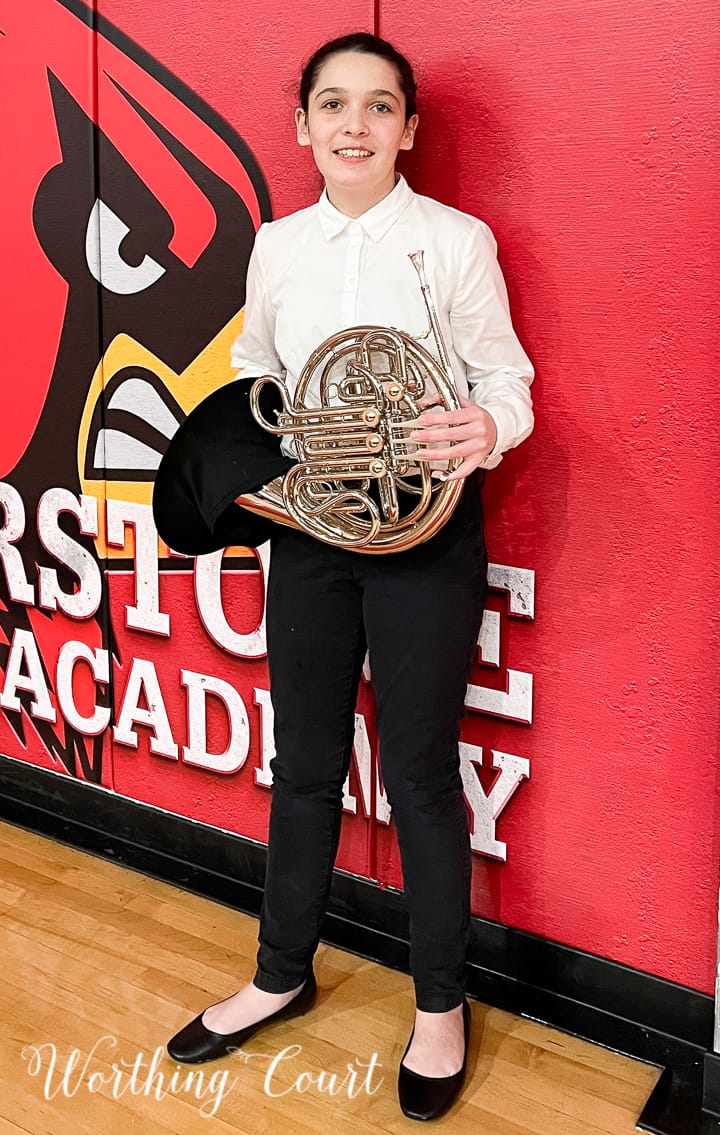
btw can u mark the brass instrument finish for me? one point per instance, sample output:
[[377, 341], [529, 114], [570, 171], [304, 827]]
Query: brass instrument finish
[[354, 450]]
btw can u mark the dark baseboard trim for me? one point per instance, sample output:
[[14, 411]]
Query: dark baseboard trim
[[594, 998]]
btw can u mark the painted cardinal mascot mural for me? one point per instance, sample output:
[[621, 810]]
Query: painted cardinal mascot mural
[[130, 214]]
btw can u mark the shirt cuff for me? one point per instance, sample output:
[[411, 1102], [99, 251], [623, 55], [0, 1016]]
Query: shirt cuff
[[506, 426], [494, 457]]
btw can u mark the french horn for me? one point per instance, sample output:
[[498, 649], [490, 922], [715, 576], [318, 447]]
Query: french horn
[[354, 451]]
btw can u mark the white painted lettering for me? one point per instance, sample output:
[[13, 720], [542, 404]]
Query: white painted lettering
[[364, 765], [143, 683], [99, 663], [515, 702], [145, 615], [198, 687], [486, 809], [85, 600], [208, 595], [263, 775], [19, 589], [25, 654]]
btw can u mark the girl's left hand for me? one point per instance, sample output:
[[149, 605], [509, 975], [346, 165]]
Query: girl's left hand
[[471, 430]]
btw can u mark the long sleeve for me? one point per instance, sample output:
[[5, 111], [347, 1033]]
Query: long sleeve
[[253, 353], [499, 373]]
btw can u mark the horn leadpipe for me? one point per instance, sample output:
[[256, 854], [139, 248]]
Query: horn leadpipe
[[418, 262]]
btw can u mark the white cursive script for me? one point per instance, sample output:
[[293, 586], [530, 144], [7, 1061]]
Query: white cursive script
[[330, 1083], [137, 1076]]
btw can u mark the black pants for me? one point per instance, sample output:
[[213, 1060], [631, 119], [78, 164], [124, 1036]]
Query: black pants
[[419, 613]]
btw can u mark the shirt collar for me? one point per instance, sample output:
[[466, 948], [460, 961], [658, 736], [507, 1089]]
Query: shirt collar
[[375, 222]]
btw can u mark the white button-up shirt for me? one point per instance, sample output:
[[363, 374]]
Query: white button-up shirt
[[318, 272]]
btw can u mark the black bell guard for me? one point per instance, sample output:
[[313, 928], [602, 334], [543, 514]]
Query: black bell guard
[[218, 453]]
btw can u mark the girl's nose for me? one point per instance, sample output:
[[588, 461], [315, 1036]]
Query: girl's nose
[[355, 123]]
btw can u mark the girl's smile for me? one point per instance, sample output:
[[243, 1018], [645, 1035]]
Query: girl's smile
[[356, 126], [354, 155]]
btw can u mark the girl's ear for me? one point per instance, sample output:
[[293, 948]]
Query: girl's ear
[[409, 134], [303, 135]]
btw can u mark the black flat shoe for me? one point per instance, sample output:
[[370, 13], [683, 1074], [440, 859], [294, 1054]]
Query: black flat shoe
[[429, 1097], [195, 1044]]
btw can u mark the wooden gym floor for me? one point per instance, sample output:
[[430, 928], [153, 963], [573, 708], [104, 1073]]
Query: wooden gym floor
[[99, 965]]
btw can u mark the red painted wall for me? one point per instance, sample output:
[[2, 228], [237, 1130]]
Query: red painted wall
[[583, 135], [586, 135]]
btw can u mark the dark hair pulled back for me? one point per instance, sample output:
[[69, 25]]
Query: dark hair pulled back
[[367, 44]]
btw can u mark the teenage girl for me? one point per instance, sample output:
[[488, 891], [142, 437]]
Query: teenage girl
[[340, 263]]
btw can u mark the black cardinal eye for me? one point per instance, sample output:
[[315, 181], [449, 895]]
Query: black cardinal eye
[[103, 237]]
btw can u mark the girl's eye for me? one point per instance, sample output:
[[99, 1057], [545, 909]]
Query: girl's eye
[[383, 107], [331, 104]]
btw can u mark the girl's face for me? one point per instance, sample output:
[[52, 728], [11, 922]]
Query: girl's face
[[356, 125]]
